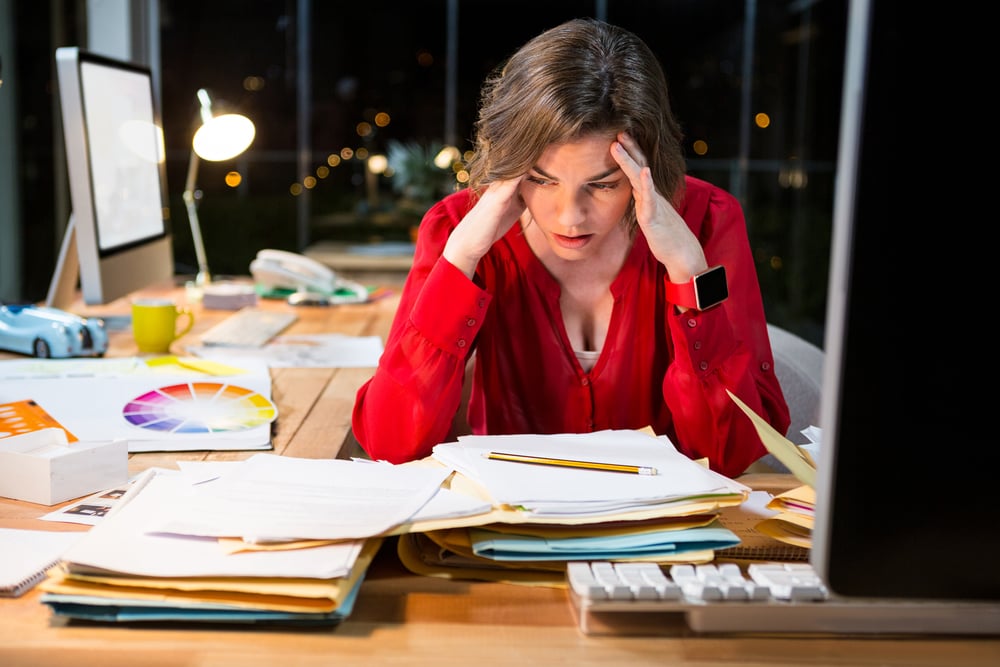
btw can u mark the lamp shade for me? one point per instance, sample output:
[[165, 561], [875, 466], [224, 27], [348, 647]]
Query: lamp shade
[[224, 137]]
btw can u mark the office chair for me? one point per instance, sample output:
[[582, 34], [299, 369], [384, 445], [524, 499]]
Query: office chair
[[798, 364]]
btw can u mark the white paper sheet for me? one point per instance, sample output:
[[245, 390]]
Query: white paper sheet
[[305, 350], [273, 498], [548, 489], [122, 544], [448, 504]]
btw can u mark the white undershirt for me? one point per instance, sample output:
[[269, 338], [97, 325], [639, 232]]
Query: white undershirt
[[587, 358]]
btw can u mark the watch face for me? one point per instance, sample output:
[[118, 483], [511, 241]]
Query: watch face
[[711, 288]]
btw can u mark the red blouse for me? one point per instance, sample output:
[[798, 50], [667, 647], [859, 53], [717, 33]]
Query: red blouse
[[658, 368]]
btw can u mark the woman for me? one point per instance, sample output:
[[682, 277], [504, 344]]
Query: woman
[[567, 265]]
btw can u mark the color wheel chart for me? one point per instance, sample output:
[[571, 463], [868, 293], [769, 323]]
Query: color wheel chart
[[200, 407]]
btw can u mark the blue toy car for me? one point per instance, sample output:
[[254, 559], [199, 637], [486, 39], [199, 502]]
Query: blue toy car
[[50, 333]]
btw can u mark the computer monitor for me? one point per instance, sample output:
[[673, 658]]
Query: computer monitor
[[906, 477], [118, 238]]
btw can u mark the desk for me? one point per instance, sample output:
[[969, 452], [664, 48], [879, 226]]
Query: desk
[[400, 618]]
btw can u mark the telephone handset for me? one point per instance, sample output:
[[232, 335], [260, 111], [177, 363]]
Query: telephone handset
[[279, 269]]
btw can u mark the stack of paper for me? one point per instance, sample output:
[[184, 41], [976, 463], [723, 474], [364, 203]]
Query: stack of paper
[[268, 540], [546, 515], [793, 524], [569, 492], [800, 461], [745, 520]]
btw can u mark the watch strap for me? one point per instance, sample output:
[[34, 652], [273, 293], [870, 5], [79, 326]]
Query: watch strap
[[682, 294], [706, 289]]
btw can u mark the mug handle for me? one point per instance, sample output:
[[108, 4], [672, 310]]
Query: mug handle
[[185, 312]]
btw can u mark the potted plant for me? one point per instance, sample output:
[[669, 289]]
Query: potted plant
[[418, 177]]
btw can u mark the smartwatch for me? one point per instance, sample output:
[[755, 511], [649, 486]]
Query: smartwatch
[[707, 289]]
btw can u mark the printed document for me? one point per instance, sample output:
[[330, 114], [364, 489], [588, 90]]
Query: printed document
[[272, 498], [544, 489], [123, 543]]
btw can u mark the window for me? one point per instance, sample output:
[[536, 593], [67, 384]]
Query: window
[[756, 86]]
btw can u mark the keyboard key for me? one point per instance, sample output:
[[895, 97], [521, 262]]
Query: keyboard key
[[695, 586], [654, 576], [606, 575], [633, 576], [732, 582], [583, 582], [789, 581]]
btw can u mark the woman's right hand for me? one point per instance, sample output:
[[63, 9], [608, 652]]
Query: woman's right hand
[[496, 211]]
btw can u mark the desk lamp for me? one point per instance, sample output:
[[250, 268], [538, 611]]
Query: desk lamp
[[219, 138]]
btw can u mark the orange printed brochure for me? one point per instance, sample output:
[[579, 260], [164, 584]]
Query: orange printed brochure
[[26, 416]]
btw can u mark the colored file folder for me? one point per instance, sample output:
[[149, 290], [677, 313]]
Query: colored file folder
[[611, 546], [265, 600], [121, 570]]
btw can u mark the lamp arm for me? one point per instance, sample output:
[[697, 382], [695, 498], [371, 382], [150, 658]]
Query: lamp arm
[[204, 277]]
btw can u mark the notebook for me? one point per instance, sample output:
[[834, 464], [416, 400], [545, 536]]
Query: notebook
[[26, 555]]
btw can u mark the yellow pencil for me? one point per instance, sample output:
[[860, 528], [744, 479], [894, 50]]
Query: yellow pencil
[[570, 463]]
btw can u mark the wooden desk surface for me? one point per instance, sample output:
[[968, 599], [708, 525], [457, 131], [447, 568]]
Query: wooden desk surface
[[400, 618]]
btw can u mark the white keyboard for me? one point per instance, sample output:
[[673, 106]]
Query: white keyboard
[[629, 598], [248, 327], [605, 581]]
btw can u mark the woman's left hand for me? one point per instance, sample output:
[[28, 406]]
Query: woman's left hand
[[670, 239]]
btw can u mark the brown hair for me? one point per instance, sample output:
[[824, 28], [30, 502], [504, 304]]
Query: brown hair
[[581, 77]]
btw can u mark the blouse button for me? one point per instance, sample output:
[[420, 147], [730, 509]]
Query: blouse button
[[461, 342], [471, 322], [585, 382], [692, 323], [697, 345], [703, 365], [482, 303], [766, 366]]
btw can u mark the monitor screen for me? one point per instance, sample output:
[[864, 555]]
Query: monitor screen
[[118, 239], [905, 478]]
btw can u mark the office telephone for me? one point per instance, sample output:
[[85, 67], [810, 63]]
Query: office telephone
[[279, 270]]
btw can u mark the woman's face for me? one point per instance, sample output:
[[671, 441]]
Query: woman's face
[[577, 195]]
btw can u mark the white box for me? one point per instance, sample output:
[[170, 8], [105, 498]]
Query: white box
[[42, 467]]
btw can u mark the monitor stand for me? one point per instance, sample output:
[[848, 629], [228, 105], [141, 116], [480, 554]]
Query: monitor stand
[[66, 277]]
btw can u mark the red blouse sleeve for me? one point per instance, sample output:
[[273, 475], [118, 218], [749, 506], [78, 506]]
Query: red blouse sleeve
[[408, 405], [726, 347]]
